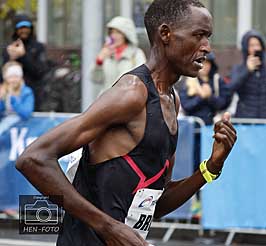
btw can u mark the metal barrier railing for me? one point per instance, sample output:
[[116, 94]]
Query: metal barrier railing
[[193, 119], [172, 226], [248, 121]]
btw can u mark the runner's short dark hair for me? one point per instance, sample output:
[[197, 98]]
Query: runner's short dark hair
[[169, 12]]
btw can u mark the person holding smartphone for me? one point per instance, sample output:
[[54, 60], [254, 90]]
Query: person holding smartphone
[[31, 54], [249, 78], [119, 54]]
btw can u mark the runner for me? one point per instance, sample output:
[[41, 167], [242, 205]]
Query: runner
[[129, 137]]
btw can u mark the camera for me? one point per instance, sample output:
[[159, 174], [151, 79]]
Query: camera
[[41, 212], [258, 53]]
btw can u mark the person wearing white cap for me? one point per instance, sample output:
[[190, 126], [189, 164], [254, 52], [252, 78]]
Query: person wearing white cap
[[15, 96], [119, 54]]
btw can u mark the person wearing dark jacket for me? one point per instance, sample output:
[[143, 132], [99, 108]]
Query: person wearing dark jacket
[[205, 95], [249, 78], [26, 50]]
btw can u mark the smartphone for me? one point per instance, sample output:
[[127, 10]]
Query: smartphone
[[258, 53], [109, 40]]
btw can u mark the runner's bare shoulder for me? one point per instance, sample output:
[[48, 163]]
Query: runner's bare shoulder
[[129, 93]]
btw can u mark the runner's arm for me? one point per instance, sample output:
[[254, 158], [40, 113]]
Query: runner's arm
[[39, 162], [177, 193]]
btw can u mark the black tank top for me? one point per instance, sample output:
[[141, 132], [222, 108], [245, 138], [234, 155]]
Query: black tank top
[[113, 185]]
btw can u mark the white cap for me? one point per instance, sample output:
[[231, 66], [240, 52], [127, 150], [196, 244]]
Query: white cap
[[126, 26], [13, 70]]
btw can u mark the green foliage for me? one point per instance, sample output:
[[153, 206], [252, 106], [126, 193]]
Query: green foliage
[[15, 6]]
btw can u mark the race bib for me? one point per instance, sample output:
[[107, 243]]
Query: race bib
[[73, 164], [140, 213]]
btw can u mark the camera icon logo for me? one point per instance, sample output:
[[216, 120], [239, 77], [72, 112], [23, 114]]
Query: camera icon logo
[[41, 213]]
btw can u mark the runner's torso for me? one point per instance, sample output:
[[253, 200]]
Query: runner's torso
[[125, 187]]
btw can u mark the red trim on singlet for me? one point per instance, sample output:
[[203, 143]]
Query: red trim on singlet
[[142, 183]]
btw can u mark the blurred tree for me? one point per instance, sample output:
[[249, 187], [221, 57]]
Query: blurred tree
[[7, 6]]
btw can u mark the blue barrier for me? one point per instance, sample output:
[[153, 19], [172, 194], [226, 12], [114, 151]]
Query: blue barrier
[[237, 198], [184, 163], [16, 135]]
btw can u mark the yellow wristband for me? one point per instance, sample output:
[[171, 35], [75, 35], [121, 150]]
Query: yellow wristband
[[208, 176]]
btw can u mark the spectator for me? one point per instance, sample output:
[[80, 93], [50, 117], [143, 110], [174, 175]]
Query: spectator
[[25, 49], [204, 96], [119, 54], [15, 96], [249, 78]]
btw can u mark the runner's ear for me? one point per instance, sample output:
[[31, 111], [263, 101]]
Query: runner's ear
[[164, 33]]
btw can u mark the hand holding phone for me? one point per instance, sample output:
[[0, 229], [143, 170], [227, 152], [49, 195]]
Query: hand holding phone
[[16, 50], [109, 40], [254, 61], [107, 50], [258, 53]]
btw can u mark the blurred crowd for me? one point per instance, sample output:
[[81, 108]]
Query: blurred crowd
[[242, 93], [31, 82]]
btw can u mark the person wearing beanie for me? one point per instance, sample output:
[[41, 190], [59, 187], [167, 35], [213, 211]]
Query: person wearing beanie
[[26, 50], [119, 54], [15, 96]]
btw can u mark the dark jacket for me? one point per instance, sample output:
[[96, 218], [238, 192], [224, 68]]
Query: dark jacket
[[250, 86], [34, 61], [206, 108]]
